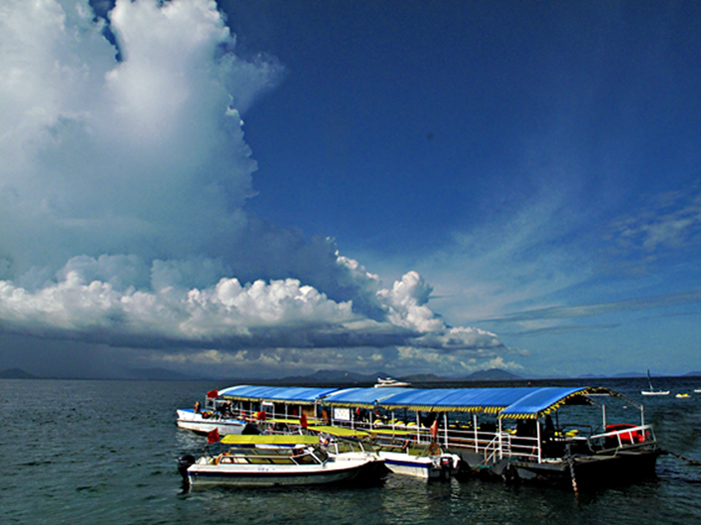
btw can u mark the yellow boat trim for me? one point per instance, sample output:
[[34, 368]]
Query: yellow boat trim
[[338, 431], [269, 439]]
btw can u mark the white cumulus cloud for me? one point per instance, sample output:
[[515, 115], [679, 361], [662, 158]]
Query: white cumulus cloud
[[124, 175]]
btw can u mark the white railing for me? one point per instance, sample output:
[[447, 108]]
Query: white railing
[[627, 437]]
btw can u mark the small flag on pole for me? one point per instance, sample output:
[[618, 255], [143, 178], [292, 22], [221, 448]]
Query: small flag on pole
[[434, 429], [213, 436]]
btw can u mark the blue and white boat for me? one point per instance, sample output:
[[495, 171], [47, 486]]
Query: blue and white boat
[[281, 467], [203, 422]]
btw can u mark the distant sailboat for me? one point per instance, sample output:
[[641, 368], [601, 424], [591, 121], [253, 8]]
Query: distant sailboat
[[652, 391]]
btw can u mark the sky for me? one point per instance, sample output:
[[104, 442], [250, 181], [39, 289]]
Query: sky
[[267, 188]]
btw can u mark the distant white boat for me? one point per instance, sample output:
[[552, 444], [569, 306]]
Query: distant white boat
[[652, 391], [387, 382], [681, 396]]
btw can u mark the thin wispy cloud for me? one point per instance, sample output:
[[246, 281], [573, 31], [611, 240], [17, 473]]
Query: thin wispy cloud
[[662, 227], [592, 310]]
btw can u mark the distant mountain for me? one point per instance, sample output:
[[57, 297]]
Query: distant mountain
[[343, 377], [422, 378], [493, 374], [324, 377], [156, 374], [15, 373]]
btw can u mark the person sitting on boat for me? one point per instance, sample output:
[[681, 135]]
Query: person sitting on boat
[[548, 437], [197, 407]]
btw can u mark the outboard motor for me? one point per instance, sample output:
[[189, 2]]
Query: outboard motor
[[446, 467], [184, 463]]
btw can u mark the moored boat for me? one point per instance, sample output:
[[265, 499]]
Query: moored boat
[[277, 467], [214, 415], [510, 432], [205, 422], [403, 456]]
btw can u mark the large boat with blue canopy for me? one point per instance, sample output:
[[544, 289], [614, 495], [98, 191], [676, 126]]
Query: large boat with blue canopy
[[516, 433]]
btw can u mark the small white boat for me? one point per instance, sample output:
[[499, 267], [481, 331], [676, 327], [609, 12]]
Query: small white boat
[[682, 396], [402, 456], [278, 467], [652, 391], [697, 390], [203, 422], [431, 464], [387, 382]]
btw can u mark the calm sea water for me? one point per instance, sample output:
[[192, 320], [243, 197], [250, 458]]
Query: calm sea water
[[105, 452]]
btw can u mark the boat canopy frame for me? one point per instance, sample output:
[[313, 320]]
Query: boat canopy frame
[[504, 402]]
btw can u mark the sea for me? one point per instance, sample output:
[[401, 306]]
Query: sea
[[102, 452]]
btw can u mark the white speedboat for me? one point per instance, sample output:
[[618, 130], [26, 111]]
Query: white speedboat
[[203, 422], [387, 382], [278, 467]]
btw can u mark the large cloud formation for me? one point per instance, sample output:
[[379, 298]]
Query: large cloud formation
[[123, 181]]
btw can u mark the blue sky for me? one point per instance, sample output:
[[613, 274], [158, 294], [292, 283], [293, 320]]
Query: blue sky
[[276, 187]]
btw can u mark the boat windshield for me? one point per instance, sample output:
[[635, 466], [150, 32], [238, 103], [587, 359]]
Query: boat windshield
[[321, 454]]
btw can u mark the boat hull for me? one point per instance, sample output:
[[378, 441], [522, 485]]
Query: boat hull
[[279, 475], [188, 419], [424, 467], [589, 471]]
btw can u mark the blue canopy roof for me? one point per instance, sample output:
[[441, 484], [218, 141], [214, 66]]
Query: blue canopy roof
[[364, 397], [459, 399], [303, 395], [515, 402], [541, 401]]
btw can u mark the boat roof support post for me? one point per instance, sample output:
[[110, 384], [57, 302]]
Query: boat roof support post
[[539, 442], [445, 429], [603, 415], [501, 443], [418, 426], [642, 416], [474, 428]]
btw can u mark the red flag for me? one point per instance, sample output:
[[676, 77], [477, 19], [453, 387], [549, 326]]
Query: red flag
[[213, 436], [303, 420], [434, 429], [212, 394]]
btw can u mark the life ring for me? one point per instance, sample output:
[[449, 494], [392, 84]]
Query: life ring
[[434, 449]]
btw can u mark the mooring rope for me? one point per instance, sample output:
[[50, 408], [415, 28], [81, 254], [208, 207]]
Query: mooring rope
[[570, 461], [690, 461]]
